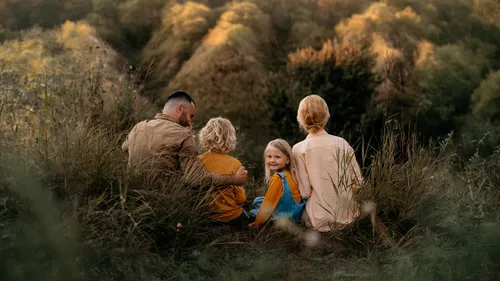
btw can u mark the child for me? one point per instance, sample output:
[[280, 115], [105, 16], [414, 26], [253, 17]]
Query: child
[[218, 137], [282, 198]]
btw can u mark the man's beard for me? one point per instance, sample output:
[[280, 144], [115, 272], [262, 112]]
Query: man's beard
[[183, 121]]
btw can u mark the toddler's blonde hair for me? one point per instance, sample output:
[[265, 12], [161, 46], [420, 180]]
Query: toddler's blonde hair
[[218, 135]]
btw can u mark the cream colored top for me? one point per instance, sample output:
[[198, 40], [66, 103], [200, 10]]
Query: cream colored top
[[327, 174]]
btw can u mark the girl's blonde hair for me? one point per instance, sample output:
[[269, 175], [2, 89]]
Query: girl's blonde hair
[[218, 135], [284, 147], [313, 113]]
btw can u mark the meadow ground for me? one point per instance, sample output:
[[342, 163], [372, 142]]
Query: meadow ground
[[436, 218]]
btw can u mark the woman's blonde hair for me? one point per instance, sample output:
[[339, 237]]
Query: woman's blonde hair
[[284, 147], [218, 135], [313, 113]]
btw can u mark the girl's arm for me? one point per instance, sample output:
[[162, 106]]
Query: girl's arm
[[271, 200], [301, 175]]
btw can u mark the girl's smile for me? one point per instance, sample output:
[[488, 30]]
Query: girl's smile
[[275, 159]]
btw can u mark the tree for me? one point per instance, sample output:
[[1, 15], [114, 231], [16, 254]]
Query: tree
[[138, 19], [19, 15], [173, 43], [488, 10], [486, 99], [392, 32], [446, 77], [339, 72], [225, 74]]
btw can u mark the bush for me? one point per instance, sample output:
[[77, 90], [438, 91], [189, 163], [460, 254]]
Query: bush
[[446, 79], [173, 42], [339, 72], [486, 98], [72, 149]]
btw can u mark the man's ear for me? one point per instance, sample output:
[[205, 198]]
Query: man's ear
[[179, 108]]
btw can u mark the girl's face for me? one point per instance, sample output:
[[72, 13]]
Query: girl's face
[[276, 160]]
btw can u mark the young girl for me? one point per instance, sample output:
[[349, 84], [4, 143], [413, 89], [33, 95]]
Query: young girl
[[282, 198], [218, 137]]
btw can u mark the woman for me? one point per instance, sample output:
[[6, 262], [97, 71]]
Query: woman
[[326, 170]]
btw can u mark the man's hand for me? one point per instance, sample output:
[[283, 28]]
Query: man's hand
[[241, 176]]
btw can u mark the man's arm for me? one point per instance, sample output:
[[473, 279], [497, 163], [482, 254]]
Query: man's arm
[[239, 191], [126, 143], [196, 173]]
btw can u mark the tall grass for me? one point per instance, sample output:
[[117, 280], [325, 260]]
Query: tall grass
[[70, 146], [69, 187]]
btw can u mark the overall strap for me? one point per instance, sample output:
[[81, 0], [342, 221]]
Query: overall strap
[[287, 206], [286, 186]]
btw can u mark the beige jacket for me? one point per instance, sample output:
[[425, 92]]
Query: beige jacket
[[327, 174], [163, 144]]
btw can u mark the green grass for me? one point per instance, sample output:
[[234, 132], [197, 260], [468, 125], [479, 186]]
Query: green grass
[[70, 210], [72, 224]]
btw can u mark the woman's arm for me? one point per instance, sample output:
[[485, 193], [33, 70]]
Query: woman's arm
[[271, 200], [301, 175], [355, 172]]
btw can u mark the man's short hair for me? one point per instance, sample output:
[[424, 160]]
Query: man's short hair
[[180, 96]]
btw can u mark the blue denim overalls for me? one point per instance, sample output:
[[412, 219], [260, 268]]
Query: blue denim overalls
[[287, 207]]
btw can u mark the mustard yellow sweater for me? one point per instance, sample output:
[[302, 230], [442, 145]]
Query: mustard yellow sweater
[[226, 202]]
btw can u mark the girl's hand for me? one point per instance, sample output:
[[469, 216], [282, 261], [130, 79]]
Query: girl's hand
[[253, 225]]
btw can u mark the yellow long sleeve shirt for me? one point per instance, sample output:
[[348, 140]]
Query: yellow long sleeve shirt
[[273, 197], [227, 202]]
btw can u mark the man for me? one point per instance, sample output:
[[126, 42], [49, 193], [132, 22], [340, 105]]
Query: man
[[167, 142]]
